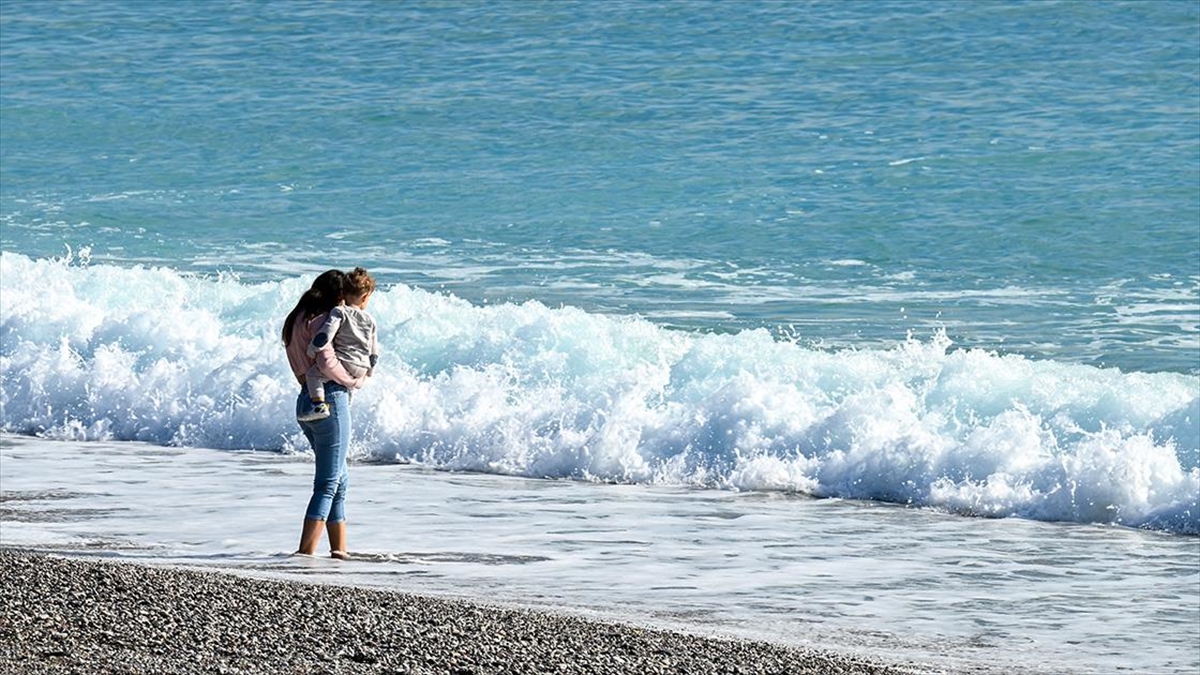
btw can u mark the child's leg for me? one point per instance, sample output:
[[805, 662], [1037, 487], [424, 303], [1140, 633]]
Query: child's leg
[[315, 384]]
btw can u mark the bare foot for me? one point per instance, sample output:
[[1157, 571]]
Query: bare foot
[[340, 555]]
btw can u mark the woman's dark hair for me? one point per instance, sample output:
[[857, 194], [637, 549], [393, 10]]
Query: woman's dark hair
[[325, 294]]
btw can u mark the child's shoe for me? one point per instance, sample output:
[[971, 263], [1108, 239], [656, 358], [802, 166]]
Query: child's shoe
[[319, 412]]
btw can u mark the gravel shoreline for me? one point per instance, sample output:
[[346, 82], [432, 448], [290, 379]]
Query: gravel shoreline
[[70, 615]]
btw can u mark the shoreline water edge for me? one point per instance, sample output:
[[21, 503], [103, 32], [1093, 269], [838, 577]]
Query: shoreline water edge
[[876, 583]]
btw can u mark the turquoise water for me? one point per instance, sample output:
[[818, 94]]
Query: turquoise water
[[1024, 175], [943, 254]]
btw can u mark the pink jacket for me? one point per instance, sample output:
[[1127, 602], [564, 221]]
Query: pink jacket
[[327, 362]]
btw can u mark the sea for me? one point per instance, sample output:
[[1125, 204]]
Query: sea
[[865, 326]]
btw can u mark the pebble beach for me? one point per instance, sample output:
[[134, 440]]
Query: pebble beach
[[72, 615]]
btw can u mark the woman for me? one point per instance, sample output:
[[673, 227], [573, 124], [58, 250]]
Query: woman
[[329, 437]]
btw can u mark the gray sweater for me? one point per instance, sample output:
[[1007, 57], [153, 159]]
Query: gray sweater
[[354, 338]]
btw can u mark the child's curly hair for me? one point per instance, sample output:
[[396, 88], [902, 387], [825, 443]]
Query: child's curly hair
[[359, 282]]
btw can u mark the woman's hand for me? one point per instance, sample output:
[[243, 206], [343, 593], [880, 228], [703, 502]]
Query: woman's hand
[[331, 367]]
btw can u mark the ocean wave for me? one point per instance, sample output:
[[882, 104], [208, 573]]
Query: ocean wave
[[103, 352]]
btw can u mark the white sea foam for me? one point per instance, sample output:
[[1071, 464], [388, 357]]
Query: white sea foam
[[98, 352]]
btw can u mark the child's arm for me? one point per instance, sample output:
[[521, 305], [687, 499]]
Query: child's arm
[[374, 352], [324, 336]]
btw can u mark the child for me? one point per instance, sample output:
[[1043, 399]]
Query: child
[[353, 336]]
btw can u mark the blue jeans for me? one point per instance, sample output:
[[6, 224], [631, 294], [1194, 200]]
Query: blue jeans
[[330, 440]]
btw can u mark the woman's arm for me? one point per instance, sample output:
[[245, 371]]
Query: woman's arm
[[325, 359], [329, 365]]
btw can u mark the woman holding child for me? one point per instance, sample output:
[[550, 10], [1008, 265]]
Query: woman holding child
[[331, 348]]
